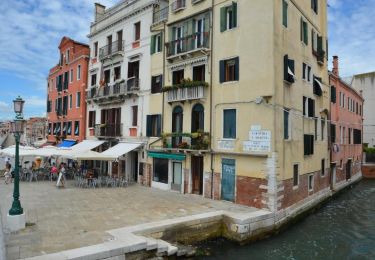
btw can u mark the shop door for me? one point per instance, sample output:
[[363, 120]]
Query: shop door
[[114, 168], [177, 176], [197, 174], [228, 179]]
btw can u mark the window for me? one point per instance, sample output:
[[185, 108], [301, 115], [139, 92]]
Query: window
[[308, 107], [49, 106], [156, 84], [107, 76], [323, 167], [333, 133], [93, 80], [78, 99], [76, 127], [317, 86], [343, 135], [311, 182], [66, 80], [228, 17], [323, 126], [289, 70], [92, 118], [70, 101], [153, 125], [160, 170], [229, 123], [360, 110], [304, 32], [64, 129], [295, 175], [314, 42], [357, 136], [285, 13], [69, 131], [349, 136], [306, 72], [308, 144], [316, 128], [229, 70], [178, 39], [137, 31], [67, 56], [286, 124], [117, 72], [333, 94], [156, 43], [79, 72], [199, 73], [119, 41], [177, 76], [65, 105], [314, 6], [343, 100], [133, 69], [95, 49], [71, 75], [134, 115], [49, 128]]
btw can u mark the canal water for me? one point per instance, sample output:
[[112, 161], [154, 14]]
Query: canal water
[[344, 228]]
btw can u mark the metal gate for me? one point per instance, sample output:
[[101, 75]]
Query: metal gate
[[228, 179]]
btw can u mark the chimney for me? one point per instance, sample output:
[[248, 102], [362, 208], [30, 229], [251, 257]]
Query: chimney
[[335, 69], [99, 11]]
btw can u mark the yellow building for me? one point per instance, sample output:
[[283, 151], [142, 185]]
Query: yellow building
[[245, 101]]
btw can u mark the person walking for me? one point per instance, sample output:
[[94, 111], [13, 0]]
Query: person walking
[[8, 174], [54, 172], [61, 180]]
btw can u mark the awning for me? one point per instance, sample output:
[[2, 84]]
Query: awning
[[67, 143], [290, 72], [93, 156], [172, 156], [23, 150], [121, 149], [319, 84], [86, 145]]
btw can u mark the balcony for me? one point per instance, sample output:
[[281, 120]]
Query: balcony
[[187, 90], [109, 93], [196, 1], [111, 49], [160, 15], [186, 141], [195, 42], [178, 5], [108, 130], [320, 57]]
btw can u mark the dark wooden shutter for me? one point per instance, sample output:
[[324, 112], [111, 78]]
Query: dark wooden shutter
[[286, 124], [333, 94], [223, 19], [285, 13], [311, 106], [148, 125], [222, 71], [304, 106], [158, 120], [234, 17], [286, 67], [237, 68], [333, 133], [301, 25]]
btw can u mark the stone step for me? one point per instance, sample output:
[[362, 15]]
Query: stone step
[[151, 243]]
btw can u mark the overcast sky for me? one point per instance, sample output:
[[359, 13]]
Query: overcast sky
[[31, 31]]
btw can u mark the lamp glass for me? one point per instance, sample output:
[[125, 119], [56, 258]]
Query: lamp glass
[[17, 126], [18, 105]]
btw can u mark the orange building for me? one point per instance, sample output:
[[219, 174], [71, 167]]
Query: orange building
[[346, 128], [67, 82]]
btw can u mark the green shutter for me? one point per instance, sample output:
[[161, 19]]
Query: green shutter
[[320, 44], [305, 33], [148, 125], [152, 44], [285, 13], [222, 71], [234, 10], [161, 42], [223, 19], [229, 123], [192, 38], [301, 29]]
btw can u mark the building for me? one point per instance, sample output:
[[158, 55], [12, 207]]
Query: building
[[365, 84], [118, 96], [36, 131], [246, 102], [346, 128], [67, 81]]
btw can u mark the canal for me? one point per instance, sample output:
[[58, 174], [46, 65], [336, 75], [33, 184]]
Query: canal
[[344, 228]]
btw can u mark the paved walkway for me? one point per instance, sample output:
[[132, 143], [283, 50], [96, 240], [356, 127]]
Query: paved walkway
[[61, 219]]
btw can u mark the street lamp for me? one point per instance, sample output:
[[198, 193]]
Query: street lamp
[[17, 127]]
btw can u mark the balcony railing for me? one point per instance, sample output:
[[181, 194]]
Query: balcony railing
[[196, 41], [115, 90], [160, 15], [111, 49], [108, 130], [182, 94], [178, 5], [186, 141]]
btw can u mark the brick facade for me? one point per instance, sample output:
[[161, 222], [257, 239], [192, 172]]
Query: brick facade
[[249, 191], [368, 171]]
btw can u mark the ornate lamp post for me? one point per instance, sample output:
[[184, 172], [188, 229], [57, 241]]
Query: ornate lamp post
[[17, 127]]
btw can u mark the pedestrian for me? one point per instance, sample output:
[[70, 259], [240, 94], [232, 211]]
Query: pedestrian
[[8, 174], [61, 180], [54, 171]]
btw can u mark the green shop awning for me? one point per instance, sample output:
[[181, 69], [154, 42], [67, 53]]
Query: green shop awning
[[172, 156]]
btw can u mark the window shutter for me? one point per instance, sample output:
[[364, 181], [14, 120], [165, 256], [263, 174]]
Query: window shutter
[[285, 13], [320, 44], [158, 125], [152, 51], [234, 10], [223, 19], [193, 32], [305, 33], [333, 133], [148, 125], [161, 42], [312, 40], [286, 67], [286, 124], [333, 94], [301, 29], [304, 105], [291, 65], [327, 48], [222, 71], [306, 144], [237, 69]]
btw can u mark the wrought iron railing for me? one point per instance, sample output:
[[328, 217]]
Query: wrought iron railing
[[160, 15], [182, 94], [111, 49], [178, 5], [187, 141], [108, 130], [195, 41]]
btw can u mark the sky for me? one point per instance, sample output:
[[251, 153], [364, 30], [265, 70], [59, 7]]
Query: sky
[[31, 31]]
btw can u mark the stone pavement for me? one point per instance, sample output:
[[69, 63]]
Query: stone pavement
[[61, 219]]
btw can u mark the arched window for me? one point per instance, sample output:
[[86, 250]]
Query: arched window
[[177, 120], [197, 118]]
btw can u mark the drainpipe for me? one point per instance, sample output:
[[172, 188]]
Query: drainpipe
[[211, 90], [163, 78]]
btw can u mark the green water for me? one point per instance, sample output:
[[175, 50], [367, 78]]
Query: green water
[[344, 228]]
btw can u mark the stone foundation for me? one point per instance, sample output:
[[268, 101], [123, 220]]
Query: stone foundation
[[368, 171], [250, 191]]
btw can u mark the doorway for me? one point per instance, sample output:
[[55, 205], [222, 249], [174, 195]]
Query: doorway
[[228, 179], [177, 120], [135, 166], [114, 168], [177, 176], [348, 169], [197, 174]]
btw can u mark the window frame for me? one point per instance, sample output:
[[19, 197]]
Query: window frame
[[310, 182], [79, 72], [155, 88], [234, 135], [78, 99], [295, 186]]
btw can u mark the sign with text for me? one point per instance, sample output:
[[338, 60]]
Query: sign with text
[[259, 141]]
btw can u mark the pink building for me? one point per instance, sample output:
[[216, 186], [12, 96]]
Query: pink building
[[346, 128]]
